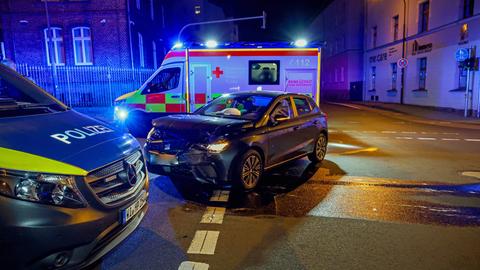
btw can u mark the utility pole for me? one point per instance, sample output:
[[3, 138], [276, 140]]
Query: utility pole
[[52, 53]]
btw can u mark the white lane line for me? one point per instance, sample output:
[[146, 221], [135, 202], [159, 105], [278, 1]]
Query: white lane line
[[204, 242], [389, 132], [369, 131], [450, 139], [220, 196], [332, 131], [213, 215], [450, 133], [472, 140], [188, 265], [348, 131], [404, 138], [427, 139], [433, 133], [409, 132]]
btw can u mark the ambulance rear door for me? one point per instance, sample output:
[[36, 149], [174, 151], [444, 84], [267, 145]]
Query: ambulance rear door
[[200, 84], [301, 81]]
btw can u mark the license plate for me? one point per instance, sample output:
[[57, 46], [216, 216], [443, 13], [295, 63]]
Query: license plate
[[129, 212], [164, 159]]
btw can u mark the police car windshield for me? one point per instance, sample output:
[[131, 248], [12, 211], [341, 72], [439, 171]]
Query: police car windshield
[[18, 96], [241, 106]]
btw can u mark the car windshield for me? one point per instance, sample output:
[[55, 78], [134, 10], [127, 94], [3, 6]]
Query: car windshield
[[242, 106], [18, 96]]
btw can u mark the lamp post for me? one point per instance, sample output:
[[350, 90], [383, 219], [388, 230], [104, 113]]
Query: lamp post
[[404, 40], [52, 53]]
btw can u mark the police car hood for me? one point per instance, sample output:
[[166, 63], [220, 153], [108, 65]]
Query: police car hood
[[69, 137]]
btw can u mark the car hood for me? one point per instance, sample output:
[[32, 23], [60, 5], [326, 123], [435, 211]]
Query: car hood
[[196, 128], [68, 137]]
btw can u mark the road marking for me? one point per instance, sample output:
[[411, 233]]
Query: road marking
[[427, 139], [369, 131], [353, 122], [450, 133], [187, 265], [348, 131], [472, 140], [403, 138], [472, 174], [370, 149], [204, 242], [433, 133], [389, 132], [450, 139], [409, 132], [220, 196], [213, 215]]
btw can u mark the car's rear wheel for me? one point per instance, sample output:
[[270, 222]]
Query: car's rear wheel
[[320, 149], [250, 170]]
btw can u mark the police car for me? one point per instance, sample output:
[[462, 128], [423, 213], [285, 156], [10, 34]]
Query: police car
[[71, 187]]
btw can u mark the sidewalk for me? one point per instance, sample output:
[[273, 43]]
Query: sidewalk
[[420, 114]]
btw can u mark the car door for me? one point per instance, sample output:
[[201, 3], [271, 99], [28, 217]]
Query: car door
[[283, 133], [308, 123]]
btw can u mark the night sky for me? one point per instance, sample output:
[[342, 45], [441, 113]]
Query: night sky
[[286, 20]]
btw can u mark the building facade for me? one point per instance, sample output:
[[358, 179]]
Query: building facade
[[113, 33], [340, 27], [434, 31]]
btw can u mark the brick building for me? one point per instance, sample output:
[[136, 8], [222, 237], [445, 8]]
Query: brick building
[[97, 32]]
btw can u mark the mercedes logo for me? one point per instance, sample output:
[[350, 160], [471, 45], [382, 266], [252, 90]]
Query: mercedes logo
[[131, 173]]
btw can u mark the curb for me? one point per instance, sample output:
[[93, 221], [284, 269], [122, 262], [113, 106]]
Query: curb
[[408, 117]]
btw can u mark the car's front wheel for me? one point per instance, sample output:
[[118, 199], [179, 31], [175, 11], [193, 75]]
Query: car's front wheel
[[320, 149], [250, 170]]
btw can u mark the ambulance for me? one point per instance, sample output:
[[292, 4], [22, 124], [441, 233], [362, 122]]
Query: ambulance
[[190, 76]]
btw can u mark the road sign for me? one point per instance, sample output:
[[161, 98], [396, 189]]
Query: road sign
[[462, 54], [402, 62]]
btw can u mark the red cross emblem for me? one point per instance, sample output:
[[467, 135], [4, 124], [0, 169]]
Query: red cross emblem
[[217, 72]]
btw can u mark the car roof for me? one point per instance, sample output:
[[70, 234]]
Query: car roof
[[266, 93]]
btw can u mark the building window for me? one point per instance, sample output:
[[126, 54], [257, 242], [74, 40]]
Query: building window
[[395, 20], [198, 10], [423, 16], [342, 74], [374, 36], [2, 51], [141, 53], [464, 32], [422, 73], [138, 4], [82, 46], [462, 78], [54, 41], [374, 78], [394, 75], [154, 52], [152, 10], [468, 8]]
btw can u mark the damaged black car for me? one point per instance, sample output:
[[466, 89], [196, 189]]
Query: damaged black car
[[233, 139]]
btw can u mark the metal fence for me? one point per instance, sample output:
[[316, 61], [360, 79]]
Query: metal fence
[[90, 86]]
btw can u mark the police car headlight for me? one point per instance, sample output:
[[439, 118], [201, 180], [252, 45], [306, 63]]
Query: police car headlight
[[43, 188]]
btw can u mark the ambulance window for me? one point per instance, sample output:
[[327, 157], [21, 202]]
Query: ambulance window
[[264, 72], [166, 79]]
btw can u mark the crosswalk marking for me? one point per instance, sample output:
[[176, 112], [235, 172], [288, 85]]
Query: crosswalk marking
[[204, 242], [220, 196], [213, 215], [188, 265]]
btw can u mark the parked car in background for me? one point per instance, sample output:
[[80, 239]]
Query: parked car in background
[[71, 187], [236, 137]]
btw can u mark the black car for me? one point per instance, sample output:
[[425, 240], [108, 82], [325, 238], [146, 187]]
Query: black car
[[234, 138]]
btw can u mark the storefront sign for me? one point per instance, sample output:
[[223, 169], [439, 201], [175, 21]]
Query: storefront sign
[[421, 48], [378, 58]]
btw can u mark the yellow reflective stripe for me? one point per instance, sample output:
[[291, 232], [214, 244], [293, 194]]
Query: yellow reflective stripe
[[21, 161]]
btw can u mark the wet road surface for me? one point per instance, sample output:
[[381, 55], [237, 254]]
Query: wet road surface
[[377, 202]]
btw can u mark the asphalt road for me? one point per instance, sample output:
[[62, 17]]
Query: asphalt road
[[391, 194]]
